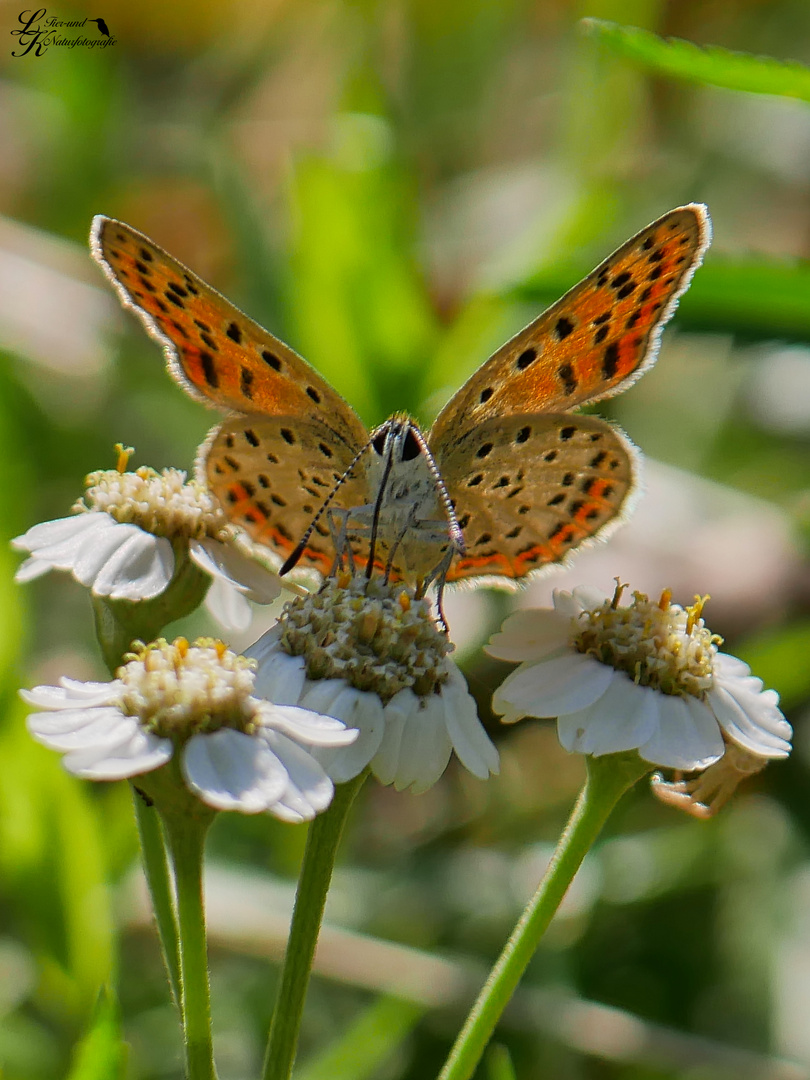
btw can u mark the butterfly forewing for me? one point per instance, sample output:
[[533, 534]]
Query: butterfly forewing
[[529, 489], [598, 338], [217, 353]]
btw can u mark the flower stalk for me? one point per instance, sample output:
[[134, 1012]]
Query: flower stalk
[[186, 836], [156, 869], [608, 779], [313, 884]]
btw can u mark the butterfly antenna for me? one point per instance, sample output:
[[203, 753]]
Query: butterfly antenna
[[456, 535], [375, 520], [300, 547]]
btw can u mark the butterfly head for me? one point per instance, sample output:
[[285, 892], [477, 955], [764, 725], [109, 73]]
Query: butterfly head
[[411, 516]]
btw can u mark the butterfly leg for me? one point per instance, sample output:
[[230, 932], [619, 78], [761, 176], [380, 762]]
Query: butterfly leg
[[344, 556], [439, 575]]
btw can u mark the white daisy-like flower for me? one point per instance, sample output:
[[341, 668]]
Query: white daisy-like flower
[[646, 677], [127, 532], [370, 653], [236, 752]]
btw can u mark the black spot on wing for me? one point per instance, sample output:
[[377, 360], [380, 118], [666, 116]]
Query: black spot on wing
[[209, 369], [610, 360], [246, 382], [565, 373]]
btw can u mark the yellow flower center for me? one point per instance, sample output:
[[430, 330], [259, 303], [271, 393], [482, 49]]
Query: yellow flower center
[[163, 503], [181, 689], [376, 636], [661, 644]]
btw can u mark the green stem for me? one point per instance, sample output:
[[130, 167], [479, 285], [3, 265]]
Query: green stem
[[186, 835], [156, 868], [608, 779], [313, 885]]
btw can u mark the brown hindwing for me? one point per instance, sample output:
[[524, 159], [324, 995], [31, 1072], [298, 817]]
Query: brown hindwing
[[530, 489]]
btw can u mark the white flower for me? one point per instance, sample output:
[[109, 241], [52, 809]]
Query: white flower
[[236, 752], [370, 654], [645, 677], [126, 532]]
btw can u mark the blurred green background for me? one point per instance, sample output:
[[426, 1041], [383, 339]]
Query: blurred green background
[[395, 187]]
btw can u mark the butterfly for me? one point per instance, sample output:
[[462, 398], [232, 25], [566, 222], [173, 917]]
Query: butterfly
[[508, 480]]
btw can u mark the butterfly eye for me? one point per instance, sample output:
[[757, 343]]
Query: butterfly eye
[[410, 447], [378, 442]]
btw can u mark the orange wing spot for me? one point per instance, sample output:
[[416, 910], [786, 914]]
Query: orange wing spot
[[599, 491], [564, 536], [240, 504], [588, 514], [598, 487], [470, 565], [319, 558], [532, 558]]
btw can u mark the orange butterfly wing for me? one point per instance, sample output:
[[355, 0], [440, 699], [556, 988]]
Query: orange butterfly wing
[[596, 340], [216, 353], [530, 483], [260, 470]]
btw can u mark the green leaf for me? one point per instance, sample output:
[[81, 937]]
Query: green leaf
[[709, 64], [101, 1054], [372, 1038]]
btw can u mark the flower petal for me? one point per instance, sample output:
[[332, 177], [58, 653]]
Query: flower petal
[[72, 694], [230, 770], [228, 563], [142, 753], [357, 709], [583, 598], [265, 646], [728, 666], [306, 726], [556, 685], [687, 736], [279, 676], [309, 790], [228, 606], [63, 553], [321, 695], [425, 748], [386, 761], [30, 570], [76, 729], [474, 748], [752, 720], [530, 635], [104, 543], [623, 718], [140, 569], [47, 533]]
